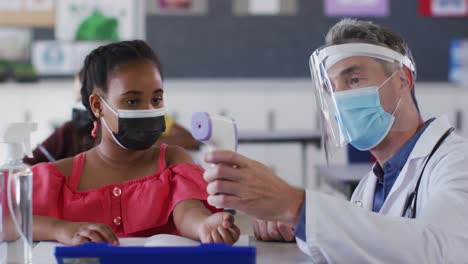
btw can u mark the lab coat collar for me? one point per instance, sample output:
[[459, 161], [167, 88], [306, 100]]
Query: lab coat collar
[[429, 138], [369, 191], [422, 149]]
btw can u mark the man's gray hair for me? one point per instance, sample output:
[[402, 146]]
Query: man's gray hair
[[352, 30]]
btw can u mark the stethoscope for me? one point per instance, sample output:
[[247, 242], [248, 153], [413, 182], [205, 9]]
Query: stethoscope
[[411, 202]]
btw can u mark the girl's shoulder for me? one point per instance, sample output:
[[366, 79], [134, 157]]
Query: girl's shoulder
[[48, 172], [177, 155], [65, 166]]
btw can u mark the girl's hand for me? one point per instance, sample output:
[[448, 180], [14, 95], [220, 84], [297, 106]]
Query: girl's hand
[[219, 228], [75, 233], [272, 231]]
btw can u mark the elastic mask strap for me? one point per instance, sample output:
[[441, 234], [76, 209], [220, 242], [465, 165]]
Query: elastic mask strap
[[108, 106], [396, 108], [112, 133], [388, 79], [399, 100]]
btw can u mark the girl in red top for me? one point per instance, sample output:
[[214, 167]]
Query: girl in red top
[[125, 186]]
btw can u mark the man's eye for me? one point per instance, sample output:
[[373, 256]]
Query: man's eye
[[354, 81]]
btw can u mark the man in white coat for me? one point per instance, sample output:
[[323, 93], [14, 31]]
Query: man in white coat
[[411, 208]]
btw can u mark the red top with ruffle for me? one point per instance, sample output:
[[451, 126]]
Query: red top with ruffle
[[136, 208]]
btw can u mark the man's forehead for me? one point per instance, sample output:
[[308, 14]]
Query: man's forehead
[[350, 64]]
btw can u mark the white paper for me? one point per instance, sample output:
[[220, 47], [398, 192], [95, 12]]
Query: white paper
[[164, 240], [39, 5], [43, 253], [264, 7], [132, 241]]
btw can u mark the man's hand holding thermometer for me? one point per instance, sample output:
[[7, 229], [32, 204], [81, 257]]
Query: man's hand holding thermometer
[[216, 131]]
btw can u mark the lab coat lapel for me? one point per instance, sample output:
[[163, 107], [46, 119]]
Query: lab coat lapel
[[409, 175], [402, 187], [369, 190]]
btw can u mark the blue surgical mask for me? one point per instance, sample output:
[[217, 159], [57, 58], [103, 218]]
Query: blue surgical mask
[[363, 122]]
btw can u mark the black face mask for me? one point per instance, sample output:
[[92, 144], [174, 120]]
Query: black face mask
[[82, 121], [138, 129], [139, 133]]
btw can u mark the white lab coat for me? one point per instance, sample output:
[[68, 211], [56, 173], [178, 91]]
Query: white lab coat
[[340, 231]]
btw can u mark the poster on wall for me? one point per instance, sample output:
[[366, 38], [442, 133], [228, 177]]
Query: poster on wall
[[443, 8], [356, 8], [15, 44], [52, 58], [177, 7], [458, 68], [265, 7], [175, 4], [99, 20], [61, 57]]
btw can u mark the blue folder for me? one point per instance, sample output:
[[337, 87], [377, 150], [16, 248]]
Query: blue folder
[[101, 253]]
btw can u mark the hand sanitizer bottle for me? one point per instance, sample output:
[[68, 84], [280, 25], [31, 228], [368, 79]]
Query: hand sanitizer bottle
[[15, 194]]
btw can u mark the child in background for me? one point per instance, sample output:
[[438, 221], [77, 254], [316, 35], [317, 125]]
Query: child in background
[[126, 186]]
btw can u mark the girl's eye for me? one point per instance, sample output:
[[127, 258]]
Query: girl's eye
[[157, 100], [131, 102]]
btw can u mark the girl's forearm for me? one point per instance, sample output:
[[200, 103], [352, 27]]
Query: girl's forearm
[[188, 215], [44, 228]]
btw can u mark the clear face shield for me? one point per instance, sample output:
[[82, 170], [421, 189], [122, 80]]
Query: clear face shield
[[355, 89]]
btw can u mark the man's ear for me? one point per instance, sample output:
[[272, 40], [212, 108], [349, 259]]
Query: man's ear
[[407, 80], [96, 105]]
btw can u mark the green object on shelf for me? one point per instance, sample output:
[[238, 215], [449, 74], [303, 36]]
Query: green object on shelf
[[4, 70], [4, 65], [98, 27], [24, 72]]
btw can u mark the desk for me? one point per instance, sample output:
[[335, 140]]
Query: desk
[[276, 252], [304, 138]]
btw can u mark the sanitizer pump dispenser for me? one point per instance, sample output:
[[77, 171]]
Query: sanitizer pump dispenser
[[15, 194]]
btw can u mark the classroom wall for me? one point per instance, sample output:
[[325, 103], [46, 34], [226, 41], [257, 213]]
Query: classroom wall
[[222, 45]]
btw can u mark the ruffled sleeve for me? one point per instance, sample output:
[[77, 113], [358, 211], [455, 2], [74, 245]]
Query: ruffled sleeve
[[160, 195], [48, 183]]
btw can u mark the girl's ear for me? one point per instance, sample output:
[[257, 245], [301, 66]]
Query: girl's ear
[[96, 105]]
